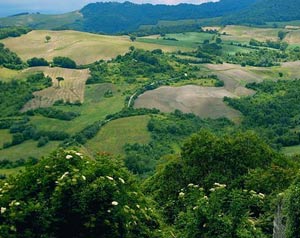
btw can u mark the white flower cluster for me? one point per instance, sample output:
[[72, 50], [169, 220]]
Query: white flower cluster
[[3, 210]]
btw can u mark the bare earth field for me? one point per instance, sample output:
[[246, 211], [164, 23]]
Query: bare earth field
[[82, 47], [236, 77], [202, 101], [71, 89]]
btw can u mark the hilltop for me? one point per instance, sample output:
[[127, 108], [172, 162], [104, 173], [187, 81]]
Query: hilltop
[[113, 17]]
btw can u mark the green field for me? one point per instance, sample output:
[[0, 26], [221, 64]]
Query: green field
[[82, 47], [113, 136], [13, 171], [291, 150], [8, 74], [5, 136], [27, 149], [94, 108]]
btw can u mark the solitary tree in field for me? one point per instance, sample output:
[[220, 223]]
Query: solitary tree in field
[[132, 38], [59, 79], [48, 38]]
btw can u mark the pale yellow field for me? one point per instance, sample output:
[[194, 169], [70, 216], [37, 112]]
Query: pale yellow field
[[71, 89], [82, 47], [245, 34], [293, 37]]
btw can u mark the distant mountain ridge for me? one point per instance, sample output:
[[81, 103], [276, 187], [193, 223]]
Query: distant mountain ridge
[[263, 11], [114, 17]]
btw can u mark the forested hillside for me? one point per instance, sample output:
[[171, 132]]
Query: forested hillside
[[266, 11], [113, 17], [122, 17]]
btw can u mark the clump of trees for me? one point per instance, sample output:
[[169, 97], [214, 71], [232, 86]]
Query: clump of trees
[[13, 32], [273, 111], [10, 59], [33, 62], [64, 62], [70, 195], [14, 94]]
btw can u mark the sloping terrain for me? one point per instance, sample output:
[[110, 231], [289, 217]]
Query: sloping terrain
[[71, 89], [82, 47], [202, 101]]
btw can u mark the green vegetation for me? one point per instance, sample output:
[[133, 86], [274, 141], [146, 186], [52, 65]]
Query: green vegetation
[[9, 59], [103, 200], [203, 192], [14, 94], [64, 62], [13, 32], [273, 111], [116, 134]]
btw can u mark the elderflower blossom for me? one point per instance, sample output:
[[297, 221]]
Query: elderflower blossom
[[261, 195], [110, 178], [181, 194], [122, 180], [3, 209], [114, 203], [64, 175], [69, 157], [83, 177]]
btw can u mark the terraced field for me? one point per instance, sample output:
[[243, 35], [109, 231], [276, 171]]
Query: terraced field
[[71, 89]]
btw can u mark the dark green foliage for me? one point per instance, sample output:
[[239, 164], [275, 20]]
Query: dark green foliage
[[42, 141], [266, 11], [271, 44], [222, 213], [292, 208], [222, 186], [9, 59], [13, 32], [37, 62], [55, 113], [273, 111], [166, 131], [64, 62], [14, 94], [134, 64], [68, 195], [8, 164]]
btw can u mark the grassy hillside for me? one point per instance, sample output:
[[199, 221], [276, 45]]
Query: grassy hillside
[[43, 21], [112, 137], [82, 47], [27, 149]]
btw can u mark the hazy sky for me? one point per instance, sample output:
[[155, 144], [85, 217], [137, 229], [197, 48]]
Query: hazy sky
[[8, 7]]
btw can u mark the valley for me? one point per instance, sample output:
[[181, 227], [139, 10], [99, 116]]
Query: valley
[[139, 120]]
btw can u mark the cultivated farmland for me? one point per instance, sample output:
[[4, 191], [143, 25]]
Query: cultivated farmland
[[71, 89], [82, 47], [202, 101]]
